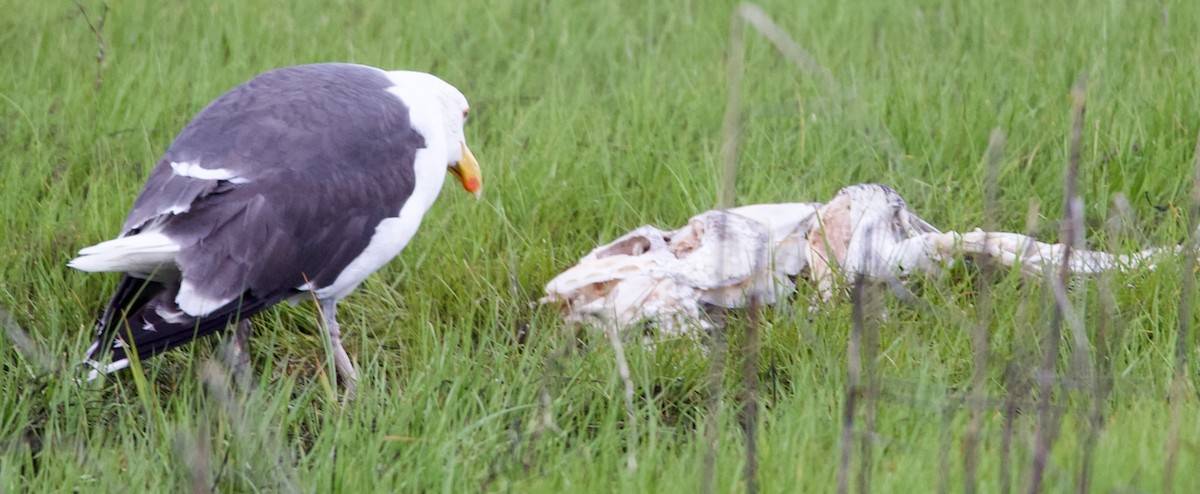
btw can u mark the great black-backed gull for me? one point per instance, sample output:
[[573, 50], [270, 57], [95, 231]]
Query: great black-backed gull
[[297, 184]]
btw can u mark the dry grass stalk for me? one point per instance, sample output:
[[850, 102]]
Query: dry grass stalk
[[1180, 382], [39, 361], [751, 352], [876, 132], [979, 332], [1072, 232], [854, 367], [614, 338], [97, 29]]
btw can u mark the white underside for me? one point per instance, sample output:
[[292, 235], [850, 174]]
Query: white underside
[[393, 234]]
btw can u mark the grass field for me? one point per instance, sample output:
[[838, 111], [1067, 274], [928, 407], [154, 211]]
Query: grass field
[[590, 120]]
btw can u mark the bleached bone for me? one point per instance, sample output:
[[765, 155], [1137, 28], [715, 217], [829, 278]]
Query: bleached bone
[[859, 232], [719, 258], [723, 258], [1033, 257]]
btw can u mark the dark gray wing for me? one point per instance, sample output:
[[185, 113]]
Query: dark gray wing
[[325, 154], [317, 156]]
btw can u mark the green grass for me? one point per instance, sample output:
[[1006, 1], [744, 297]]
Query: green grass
[[590, 120]]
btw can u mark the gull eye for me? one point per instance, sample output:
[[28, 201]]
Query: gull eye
[[465, 112]]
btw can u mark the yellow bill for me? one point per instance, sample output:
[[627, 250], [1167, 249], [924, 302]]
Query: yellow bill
[[467, 172]]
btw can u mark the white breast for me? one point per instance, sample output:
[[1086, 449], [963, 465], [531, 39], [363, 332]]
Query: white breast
[[392, 234]]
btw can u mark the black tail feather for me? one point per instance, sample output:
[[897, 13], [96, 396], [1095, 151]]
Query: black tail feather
[[143, 317]]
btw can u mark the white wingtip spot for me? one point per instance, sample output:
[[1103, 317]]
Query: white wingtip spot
[[176, 209], [98, 368], [194, 170], [92, 349], [171, 316]]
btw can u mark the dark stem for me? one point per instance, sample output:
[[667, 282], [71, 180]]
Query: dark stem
[[979, 334], [870, 386], [749, 415], [853, 377], [731, 131], [1183, 338], [1047, 427], [98, 31]]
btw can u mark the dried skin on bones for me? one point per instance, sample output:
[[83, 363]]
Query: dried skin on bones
[[724, 258]]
